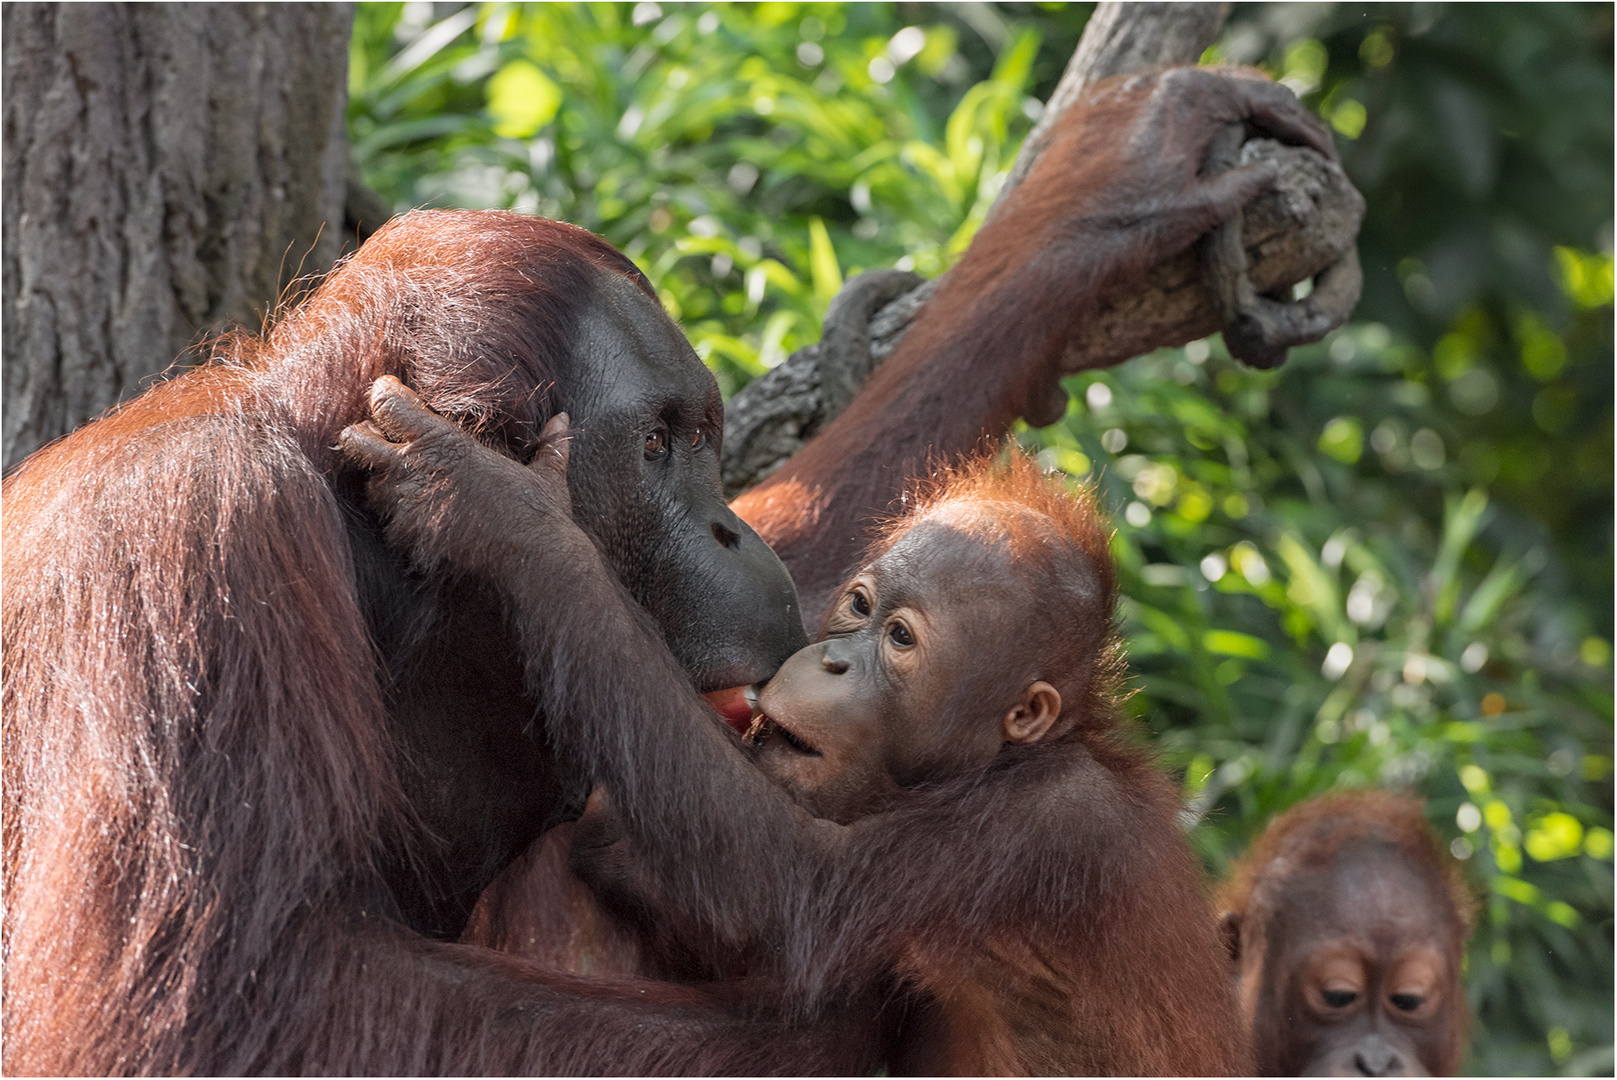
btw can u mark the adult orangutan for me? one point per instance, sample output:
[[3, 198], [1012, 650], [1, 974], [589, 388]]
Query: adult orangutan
[[258, 766], [257, 770], [1347, 925]]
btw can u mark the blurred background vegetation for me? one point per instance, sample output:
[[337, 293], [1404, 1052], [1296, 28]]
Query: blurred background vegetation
[[1388, 563]]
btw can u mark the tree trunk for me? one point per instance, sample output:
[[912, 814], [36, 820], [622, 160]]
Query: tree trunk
[[169, 169]]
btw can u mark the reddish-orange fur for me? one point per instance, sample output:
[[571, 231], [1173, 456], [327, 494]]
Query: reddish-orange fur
[[210, 860], [1310, 831]]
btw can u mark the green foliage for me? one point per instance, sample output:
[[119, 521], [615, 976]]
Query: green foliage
[[1301, 617], [1481, 137], [747, 157], [1388, 563]]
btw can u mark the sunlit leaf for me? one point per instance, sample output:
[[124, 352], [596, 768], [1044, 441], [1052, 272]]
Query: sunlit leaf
[[823, 262], [522, 99]]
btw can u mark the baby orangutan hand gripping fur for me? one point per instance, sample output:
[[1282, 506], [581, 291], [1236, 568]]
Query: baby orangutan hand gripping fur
[[961, 833]]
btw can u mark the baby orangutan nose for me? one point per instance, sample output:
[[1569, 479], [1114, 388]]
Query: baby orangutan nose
[[835, 664], [1374, 1056], [804, 697]]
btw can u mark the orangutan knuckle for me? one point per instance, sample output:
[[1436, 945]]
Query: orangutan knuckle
[[389, 408]]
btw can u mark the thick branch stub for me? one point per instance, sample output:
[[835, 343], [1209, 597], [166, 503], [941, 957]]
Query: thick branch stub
[[1259, 329]]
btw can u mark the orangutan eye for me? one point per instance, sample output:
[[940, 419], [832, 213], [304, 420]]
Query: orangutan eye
[[859, 603], [656, 444], [1338, 999], [900, 635], [700, 439], [1408, 1002]]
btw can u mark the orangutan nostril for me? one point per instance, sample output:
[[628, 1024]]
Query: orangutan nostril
[[725, 537]]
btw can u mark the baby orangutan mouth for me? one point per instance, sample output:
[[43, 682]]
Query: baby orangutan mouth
[[765, 727]]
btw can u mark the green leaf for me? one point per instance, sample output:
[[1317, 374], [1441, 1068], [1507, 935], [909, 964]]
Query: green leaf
[[1502, 582], [1311, 588], [1232, 643], [1461, 522], [522, 99], [1016, 63], [1343, 439], [823, 262]]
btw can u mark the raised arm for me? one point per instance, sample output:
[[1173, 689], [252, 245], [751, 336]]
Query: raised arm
[[1119, 190]]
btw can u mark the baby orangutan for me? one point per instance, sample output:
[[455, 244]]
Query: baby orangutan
[[982, 624], [940, 653], [1004, 864], [1347, 923]]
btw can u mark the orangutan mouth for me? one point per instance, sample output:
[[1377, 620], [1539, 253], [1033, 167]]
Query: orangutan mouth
[[735, 705], [764, 726]]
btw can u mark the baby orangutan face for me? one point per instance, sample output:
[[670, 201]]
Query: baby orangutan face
[[1359, 971], [922, 675]]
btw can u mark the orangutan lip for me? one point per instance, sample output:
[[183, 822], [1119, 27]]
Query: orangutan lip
[[763, 726], [794, 742], [735, 705]]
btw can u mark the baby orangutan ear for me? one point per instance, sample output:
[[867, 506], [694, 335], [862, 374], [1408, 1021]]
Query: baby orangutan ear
[[1033, 716]]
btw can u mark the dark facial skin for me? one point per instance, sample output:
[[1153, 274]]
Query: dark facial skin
[[644, 476], [922, 636], [1354, 976]]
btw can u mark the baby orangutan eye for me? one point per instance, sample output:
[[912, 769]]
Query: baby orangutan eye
[[1408, 1002], [656, 443], [859, 603], [900, 635], [1338, 999]]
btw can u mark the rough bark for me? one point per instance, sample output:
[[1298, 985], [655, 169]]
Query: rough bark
[[169, 169], [1309, 220]]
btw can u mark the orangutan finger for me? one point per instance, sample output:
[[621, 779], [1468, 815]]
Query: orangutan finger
[[402, 416], [365, 444]]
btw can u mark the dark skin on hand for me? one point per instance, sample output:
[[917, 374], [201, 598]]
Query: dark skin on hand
[[972, 841], [1347, 928]]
